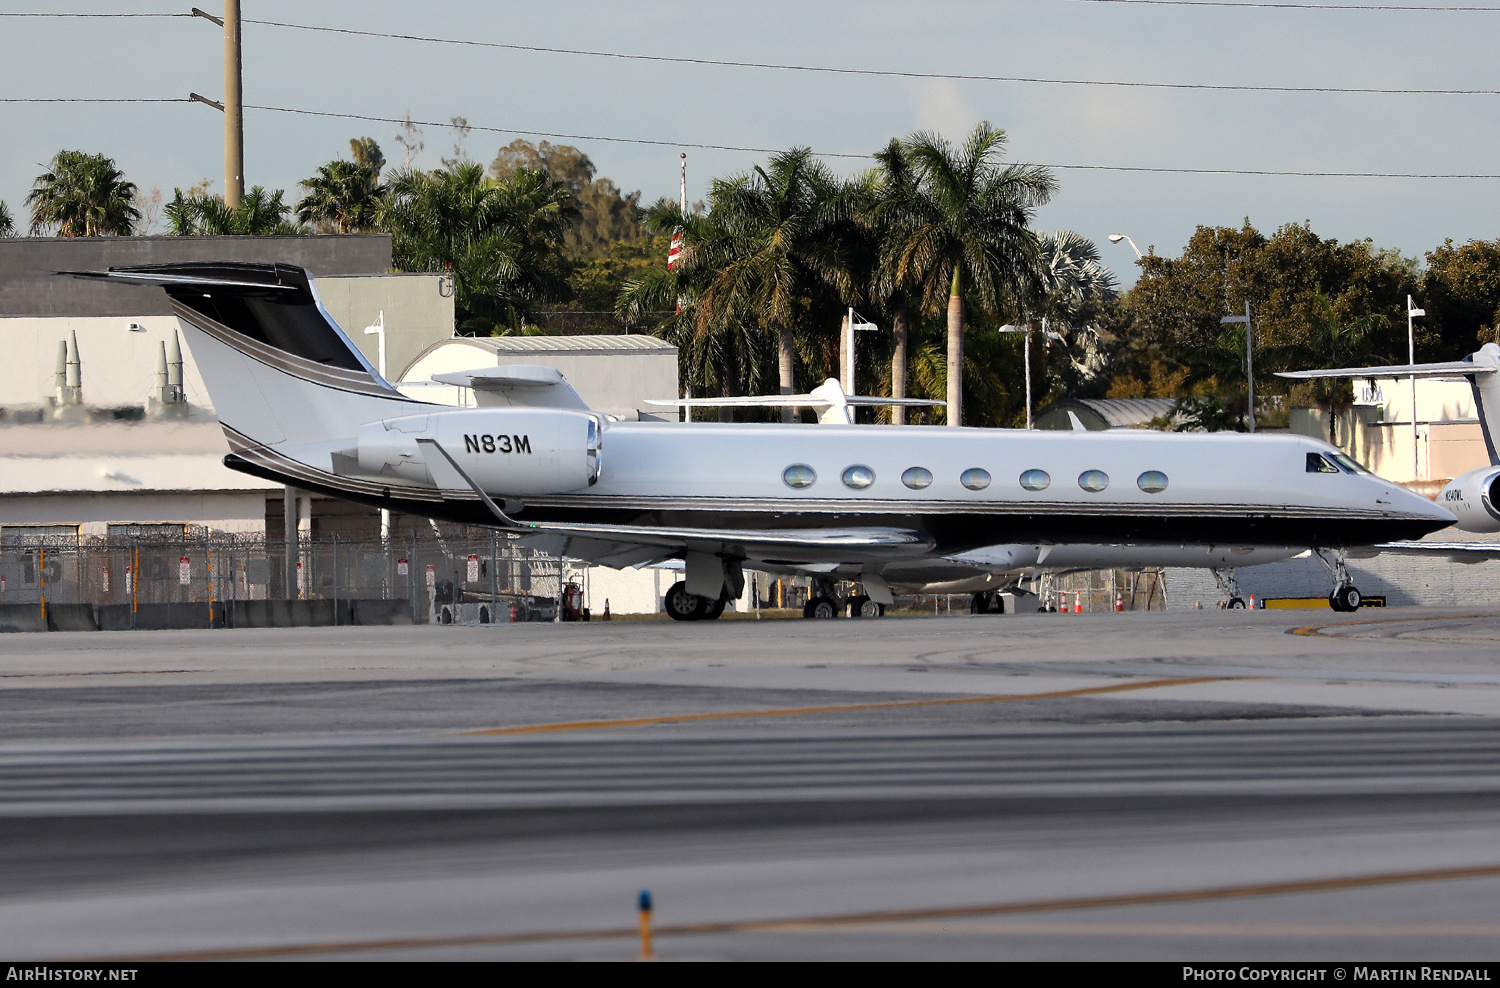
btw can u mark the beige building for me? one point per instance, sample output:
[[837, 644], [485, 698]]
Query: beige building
[[1447, 441]]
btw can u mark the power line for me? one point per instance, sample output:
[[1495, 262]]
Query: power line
[[1299, 6], [649, 142], [887, 73], [834, 154], [66, 14]]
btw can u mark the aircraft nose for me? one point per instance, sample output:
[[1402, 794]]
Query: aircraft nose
[[1414, 503]]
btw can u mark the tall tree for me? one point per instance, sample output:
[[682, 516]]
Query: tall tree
[[776, 242], [501, 241], [344, 196], [606, 215], [1076, 287], [967, 232], [260, 213], [1461, 293], [82, 195], [7, 225]]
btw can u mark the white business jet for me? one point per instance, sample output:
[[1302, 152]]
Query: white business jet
[[877, 504]]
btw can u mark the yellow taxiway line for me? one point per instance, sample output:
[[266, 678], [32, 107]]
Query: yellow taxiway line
[[832, 708], [845, 920], [1316, 630]]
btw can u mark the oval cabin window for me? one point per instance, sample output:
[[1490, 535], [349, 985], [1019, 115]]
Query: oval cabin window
[[1035, 480], [799, 476], [1152, 481], [975, 479], [858, 477], [1093, 481], [917, 478]]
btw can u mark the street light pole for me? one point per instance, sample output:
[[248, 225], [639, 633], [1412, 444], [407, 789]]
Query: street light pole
[[1025, 330], [1411, 357], [1249, 359], [1115, 238]]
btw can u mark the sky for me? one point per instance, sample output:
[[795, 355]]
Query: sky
[[176, 145]]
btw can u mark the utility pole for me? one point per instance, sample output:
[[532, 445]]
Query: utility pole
[[234, 109], [233, 106]]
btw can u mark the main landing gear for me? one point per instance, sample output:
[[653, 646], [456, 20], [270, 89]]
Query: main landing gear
[[1345, 597], [683, 606], [825, 603], [1229, 588], [987, 602]]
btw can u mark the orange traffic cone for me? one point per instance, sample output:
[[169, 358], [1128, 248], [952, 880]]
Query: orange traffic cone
[[1119, 601], [1077, 603]]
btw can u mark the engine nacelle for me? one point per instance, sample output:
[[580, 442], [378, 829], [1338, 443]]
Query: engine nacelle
[[507, 451], [1474, 499]]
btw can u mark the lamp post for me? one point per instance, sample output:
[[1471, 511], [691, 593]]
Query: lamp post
[[1411, 357], [1249, 359], [1025, 330], [1115, 238]]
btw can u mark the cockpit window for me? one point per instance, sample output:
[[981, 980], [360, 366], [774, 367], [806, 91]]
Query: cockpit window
[[1317, 463], [1349, 463]]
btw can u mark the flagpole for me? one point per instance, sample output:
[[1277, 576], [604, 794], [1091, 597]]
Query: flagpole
[[684, 183]]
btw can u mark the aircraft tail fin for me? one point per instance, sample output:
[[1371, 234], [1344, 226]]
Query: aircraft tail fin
[[278, 369]]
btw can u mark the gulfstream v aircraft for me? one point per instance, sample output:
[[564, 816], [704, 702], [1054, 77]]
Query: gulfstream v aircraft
[[880, 505]]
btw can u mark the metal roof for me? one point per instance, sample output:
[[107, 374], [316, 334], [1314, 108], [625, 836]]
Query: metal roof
[[557, 344], [1107, 413]]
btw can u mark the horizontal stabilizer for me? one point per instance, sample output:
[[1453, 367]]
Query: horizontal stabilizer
[[1450, 368], [517, 384]]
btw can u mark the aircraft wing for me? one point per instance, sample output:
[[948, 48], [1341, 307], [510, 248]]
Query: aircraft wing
[[641, 543], [1451, 368], [1458, 552]]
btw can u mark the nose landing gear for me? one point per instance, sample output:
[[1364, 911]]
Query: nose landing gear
[[1345, 597]]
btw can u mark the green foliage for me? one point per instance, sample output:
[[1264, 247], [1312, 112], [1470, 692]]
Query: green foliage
[[1208, 413], [501, 241], [1312, 301], [343, 197], [606, 216], [7, 225], [260, 213], [1461, 293], [367, 154], [82, 195], [596, 283]]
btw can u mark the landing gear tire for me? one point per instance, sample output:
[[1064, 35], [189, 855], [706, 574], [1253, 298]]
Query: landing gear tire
[[713, 610], [1345, 599], [683, 606], [1236, 603], [864, 607], [987, 602], [820, 607]]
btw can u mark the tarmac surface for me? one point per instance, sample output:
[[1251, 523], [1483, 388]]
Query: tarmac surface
[[1184, 786]]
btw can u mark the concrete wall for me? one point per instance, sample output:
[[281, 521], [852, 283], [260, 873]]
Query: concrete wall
[[418, 313], [29, 286]]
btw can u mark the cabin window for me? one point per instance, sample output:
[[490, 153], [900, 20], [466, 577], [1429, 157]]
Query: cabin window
[[1036, 480], [858, 477], [799, 476], [975, 479], [1317, 463], [917, 478], [1152, 481], [1093, 481]]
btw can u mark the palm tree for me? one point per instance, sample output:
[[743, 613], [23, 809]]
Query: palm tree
[[1333, 342], [965, 230], [344, 195], [1076, 286], [82, 195], [501, 241], [260, 213], [7, 225], [776, 242]]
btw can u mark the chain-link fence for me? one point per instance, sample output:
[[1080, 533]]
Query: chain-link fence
[[226, 580]]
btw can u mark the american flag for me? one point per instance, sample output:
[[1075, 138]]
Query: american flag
[[674, 251]]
